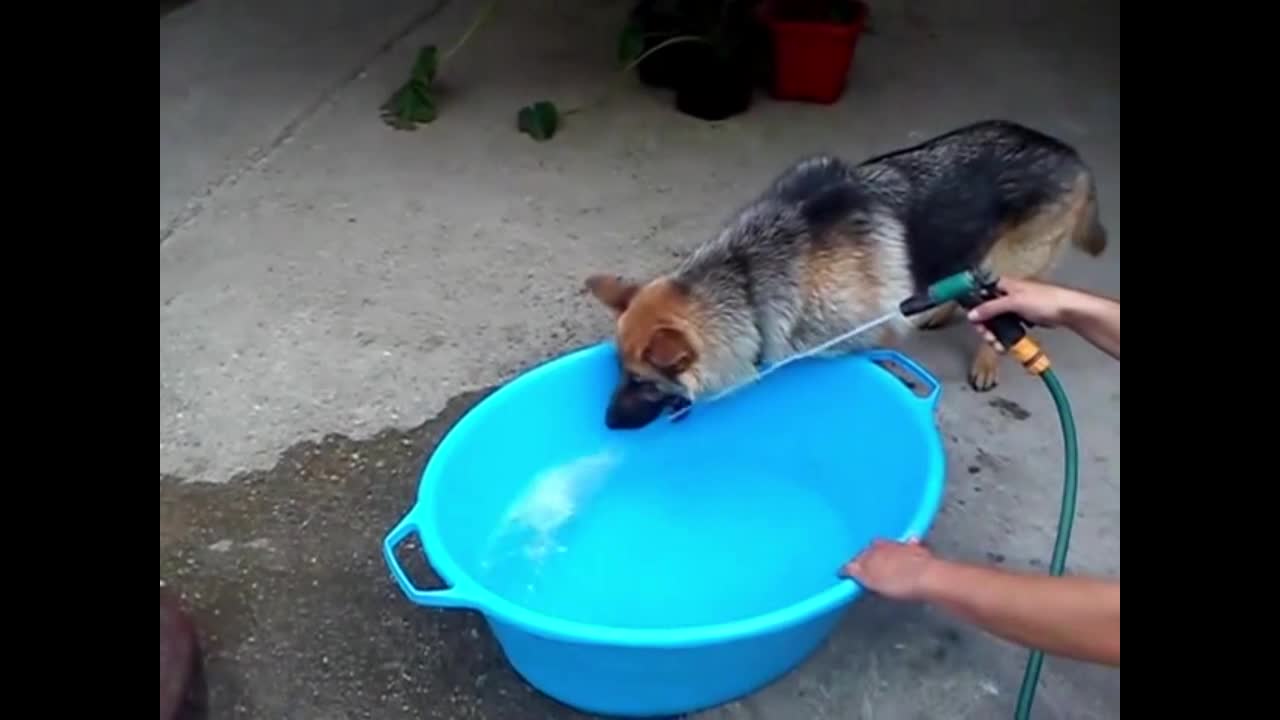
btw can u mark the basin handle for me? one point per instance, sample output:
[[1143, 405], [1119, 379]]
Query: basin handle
[[446, 598], [934, 387]]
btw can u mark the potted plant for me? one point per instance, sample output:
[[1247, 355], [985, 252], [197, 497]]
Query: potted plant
[[715, 77], [717, 83], [650, 23], [813, 46]]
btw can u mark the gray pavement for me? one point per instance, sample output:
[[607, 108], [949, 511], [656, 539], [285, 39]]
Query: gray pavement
[[329, 286]]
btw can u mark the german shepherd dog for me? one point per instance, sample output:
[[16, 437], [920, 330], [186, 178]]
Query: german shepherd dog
[[831, 245]]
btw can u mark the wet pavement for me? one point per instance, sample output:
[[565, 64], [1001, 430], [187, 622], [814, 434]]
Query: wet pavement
[[297, 614], [298, 617]]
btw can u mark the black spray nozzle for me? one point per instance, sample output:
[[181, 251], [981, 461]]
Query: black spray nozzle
[[966, 288], [917, 304], [969, 289]]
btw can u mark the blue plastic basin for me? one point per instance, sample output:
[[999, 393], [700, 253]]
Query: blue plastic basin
[[677, 567]]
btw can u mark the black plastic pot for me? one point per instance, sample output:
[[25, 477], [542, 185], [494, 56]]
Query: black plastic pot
[[714, 85], [658, 21], [664, 68]]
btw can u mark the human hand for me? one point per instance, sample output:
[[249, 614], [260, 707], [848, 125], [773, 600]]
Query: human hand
[[1037, 302], [893, 569]]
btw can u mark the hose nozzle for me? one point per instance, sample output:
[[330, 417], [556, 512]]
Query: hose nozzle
[[969, 289]]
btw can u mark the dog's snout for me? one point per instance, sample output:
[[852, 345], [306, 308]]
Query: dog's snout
[[619, 418], [635, 404]]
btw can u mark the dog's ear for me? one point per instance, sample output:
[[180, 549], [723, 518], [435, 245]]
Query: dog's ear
[[669, 350], [613, 291]]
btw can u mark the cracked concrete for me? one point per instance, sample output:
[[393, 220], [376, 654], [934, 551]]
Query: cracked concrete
[[363, 276], [322, 274], [214, 126]]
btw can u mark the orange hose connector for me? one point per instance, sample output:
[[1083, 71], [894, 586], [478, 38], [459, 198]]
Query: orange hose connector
[[1027, 352]]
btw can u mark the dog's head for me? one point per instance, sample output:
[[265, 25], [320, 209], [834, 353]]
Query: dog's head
[[657, 348]]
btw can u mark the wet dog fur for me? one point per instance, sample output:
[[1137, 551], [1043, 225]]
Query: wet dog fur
[[830, 245]]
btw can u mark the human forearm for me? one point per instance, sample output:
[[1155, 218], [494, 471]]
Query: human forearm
[[1096, 319], [1066, 616]]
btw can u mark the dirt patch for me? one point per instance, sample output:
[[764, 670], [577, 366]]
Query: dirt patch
[[297, 614]]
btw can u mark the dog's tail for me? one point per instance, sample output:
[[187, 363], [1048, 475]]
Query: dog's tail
[[1089, 235]]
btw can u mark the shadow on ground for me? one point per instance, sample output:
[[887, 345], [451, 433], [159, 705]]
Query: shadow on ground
[[297, 614]]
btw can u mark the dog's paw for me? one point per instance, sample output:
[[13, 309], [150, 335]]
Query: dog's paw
[[984, 370], [982, 381]]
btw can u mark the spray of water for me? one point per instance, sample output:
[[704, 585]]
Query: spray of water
[[809, 352], [531, 527]]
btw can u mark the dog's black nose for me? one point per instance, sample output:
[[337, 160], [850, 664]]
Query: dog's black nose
[[620, 418], [635, 403]]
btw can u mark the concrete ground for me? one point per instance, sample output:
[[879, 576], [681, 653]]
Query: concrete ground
[[334, 293]]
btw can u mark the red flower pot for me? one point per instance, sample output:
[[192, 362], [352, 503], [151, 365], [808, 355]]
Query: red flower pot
[[811, 58]]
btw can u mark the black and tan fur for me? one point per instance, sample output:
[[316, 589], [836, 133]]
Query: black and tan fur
[[831, 245]]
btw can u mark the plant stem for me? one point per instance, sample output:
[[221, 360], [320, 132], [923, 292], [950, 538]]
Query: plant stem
[[629, 66], [481, 16]]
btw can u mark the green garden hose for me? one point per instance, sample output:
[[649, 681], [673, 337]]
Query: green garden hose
[[1071, 452], [970, 289]]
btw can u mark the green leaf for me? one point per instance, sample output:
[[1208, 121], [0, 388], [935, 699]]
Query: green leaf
[[424, 68], [630, 43], [411, 105], [414, 103], [423, 107], [539, 120]]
